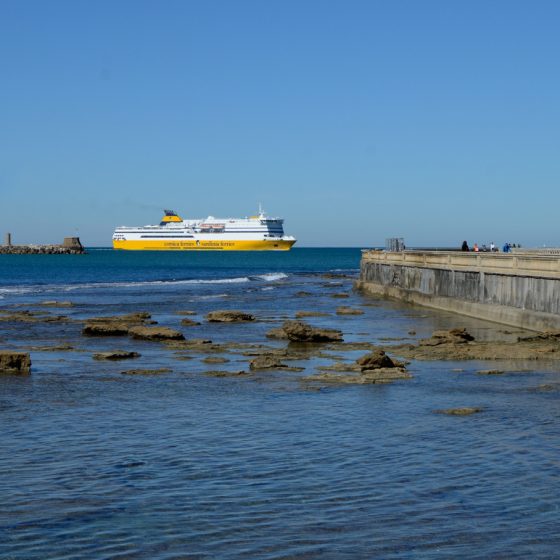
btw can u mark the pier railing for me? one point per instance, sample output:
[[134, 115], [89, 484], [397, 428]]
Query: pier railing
[[521, 264]]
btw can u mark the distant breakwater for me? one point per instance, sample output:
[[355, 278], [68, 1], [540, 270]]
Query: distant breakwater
[[39, 250], [70, 246], [520, 290]]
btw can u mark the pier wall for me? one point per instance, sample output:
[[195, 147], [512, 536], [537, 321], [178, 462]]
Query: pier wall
[[519, 290]]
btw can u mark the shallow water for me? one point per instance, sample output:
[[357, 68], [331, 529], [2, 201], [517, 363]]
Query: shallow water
[[96, 464]]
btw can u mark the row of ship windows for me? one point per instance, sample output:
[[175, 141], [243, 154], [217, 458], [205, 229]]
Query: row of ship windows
[[265, 231]]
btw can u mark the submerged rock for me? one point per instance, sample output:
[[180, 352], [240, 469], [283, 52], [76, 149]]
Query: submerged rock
[[155, 333], [464, 411], [229, 316], [302, 314], [137, 317], [187, 312], [57, 304], [189, 323], [378, 376], [343, 310], [58, 348], [15, 362], [146, 371], [215, 360], [116, 355], [453, 336], [278, 332], [340, 296], [26, 316], [299, 331], [270, 361], [105, 329], [222, 373]]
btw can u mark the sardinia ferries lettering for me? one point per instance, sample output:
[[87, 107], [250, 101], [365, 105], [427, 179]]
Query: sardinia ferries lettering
[[199, 244]]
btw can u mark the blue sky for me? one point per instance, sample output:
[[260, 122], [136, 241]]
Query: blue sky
[[355, 120]]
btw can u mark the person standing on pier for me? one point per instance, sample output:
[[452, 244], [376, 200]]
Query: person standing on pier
[[465, 246]]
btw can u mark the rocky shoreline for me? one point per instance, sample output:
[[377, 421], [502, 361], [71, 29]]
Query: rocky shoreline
[[294, 341]]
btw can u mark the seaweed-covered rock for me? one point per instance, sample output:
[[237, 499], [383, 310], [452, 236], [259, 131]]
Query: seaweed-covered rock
[[302, 314], [105, 329], [15, 362], [299, 331], [375, 360], [343, 310], [146, 371], [229, 316], [453, 336], [129, 318], [116, 355], [215, 360], [266, 361], [26, 316], [277, 332], [464, 411], [155, 333], [186, 322]]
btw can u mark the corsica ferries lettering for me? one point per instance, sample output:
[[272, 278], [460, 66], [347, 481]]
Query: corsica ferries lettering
[[257, 233]]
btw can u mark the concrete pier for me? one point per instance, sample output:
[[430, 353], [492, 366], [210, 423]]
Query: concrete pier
[[520, 290]]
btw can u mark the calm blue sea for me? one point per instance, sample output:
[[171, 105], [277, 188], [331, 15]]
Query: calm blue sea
[[185, 465]]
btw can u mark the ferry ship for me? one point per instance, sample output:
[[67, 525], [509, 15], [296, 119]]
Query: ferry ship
[[256, 233]]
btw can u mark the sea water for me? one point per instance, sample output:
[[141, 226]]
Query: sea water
[[96, 464]]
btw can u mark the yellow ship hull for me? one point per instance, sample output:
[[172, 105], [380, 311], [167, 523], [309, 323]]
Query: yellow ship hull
[[201, 245]]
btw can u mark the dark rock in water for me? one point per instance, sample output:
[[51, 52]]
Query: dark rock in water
[[198, 342], [146, 371], [453, 336], [134, 318], [155, 333], [26, 316], [465, 411], [377, 376], [189, 323], [303, 293], [343, 310], [105, 329], [57, 304], [340, 296], [266, 361], [215, 360], [116, 355], [299, 331], [490, 372], [385, 375], [187, 312], [222, 373], [374, 360], [15, 362], [58, 348], [229, 316], [278, 332], [302, 314]]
